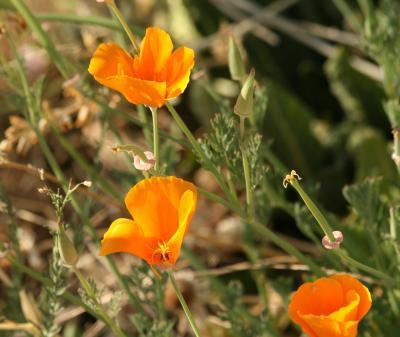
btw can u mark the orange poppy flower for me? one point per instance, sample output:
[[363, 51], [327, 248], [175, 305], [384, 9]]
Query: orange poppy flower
[[162, 208], [330, 306], [153, 77]]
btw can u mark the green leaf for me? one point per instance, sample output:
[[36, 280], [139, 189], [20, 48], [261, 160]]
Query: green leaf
[[371, 155], [364, 198]]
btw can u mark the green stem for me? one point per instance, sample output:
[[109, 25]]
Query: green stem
[[286, 246], [321, 219], [368, 269], [184, 304], [247, 180], [104, 184], [231, 185], [60, 176], [197, 148], [214, 197], [241, 128], [124, 24], [143, 119], [155, 138], [84, 283], [46, 282], [43, 38], [160, 300], [99, 307], [73, 18]]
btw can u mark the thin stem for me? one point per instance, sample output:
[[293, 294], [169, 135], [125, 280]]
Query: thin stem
[[197, 148], [73, 18], [124, 24], [99, 307], [61, 177], [214, 197], [47, 282], [43, 38], [321, 219], [368, 269], [241, 128], [143, 119], [76, 155], [155, 138], [247, 180], [286, 246], [184, 304]]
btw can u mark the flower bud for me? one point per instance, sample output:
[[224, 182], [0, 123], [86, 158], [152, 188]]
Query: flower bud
[[68, 252], [87, 183], [335, 244], [236, 64], [244, 103], [141, 165]]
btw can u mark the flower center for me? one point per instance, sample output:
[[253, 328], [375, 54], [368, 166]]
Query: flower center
[[162, 254]]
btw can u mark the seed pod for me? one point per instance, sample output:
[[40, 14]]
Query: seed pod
[[68, 252], [236, 64], [244, 103]]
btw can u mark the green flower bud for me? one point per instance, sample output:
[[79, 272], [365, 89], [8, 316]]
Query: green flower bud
[[68, 252], [244, 103], [236, 64]]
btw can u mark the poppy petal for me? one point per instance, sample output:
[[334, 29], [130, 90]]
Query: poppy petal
[[306, 299], [154, 204], [323, 326], [178, 68], [125, 235], [137, 91], [350, 283], [110, 60], [348, 312], [113, 67], [187, 207], [155, 50]]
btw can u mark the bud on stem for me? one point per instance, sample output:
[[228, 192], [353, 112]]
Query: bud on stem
[[67, 249]]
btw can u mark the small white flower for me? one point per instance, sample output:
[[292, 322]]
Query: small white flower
[[335, 244], [142, 165]]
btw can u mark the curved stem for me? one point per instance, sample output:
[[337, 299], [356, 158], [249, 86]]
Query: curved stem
[[368, 269], [98, 306], [184, 304], [155, 138], [124, 24], [321, 219], [286, 246], [197, 148]]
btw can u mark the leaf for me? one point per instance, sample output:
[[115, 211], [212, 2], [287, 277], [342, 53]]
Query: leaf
[[364, 198], [371, 155], [360, 97]]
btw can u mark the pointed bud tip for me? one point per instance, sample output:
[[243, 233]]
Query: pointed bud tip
[[237, 68]]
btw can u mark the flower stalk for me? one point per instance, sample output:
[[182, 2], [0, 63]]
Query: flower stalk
[[99, 308], [111, 4], [185, 307], [246, 171], [198, 150], [155, 138], [293, 179]]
